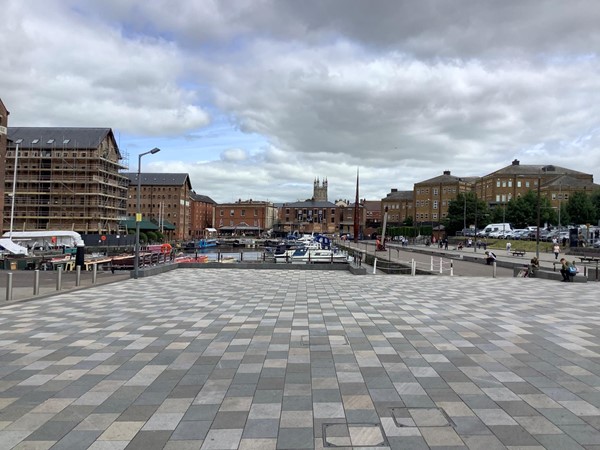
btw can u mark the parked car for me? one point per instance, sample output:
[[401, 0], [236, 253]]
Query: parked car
[[519, 234]]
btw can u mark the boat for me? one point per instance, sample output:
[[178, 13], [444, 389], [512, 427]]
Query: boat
[[323, 255], [206, 243]]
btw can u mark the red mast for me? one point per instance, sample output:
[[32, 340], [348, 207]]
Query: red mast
[[356, 212]]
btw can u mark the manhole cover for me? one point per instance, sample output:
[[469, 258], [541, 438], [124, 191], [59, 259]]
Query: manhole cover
[[353, 435], [421, 417]]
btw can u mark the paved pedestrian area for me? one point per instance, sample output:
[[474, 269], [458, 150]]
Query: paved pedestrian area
[[229, 358]]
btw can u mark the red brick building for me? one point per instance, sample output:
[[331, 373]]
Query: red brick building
[[245, 217], [163, 197], [202, 215]]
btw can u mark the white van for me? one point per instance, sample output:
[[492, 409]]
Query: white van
[[497, 229]]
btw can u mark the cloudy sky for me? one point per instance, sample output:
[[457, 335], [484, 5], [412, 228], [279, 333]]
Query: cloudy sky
[[256, 98]]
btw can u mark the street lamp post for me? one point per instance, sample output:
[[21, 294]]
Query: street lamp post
[[14, 193], [138, 214]]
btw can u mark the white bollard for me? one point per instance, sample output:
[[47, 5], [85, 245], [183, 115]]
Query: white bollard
[[431, 269], [413, 267], [451, 268], [494, 270], [441, 262], [94, 273], [375, 266]]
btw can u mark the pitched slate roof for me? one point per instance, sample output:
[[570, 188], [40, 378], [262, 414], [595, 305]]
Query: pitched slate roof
[[59, 137], [202, 198], [516, 168], [568, 181], [159, 179], [399, 195], [447, 178]]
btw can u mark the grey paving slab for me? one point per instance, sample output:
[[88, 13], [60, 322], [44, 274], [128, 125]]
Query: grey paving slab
[[269, 359]]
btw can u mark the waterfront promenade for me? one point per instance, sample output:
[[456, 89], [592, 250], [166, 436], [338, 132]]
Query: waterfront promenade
[[229, 358]]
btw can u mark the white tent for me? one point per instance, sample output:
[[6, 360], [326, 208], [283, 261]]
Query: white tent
[[13, 247]]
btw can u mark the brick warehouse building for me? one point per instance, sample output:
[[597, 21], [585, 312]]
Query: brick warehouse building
[[245, 217], [67, 179], [3, 145], [202, 215], [163, 196]]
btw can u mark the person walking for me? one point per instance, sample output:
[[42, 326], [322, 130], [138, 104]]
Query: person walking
[[556, 250], [508, 246]]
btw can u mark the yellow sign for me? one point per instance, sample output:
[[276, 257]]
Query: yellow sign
[[138, 217]]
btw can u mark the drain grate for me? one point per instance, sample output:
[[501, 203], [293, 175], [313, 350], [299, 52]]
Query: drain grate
[[353, 435]]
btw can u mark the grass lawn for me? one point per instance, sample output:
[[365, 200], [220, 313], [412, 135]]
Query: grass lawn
[[527, 246]]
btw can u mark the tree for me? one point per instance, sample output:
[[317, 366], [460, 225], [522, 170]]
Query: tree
[[522, 211], [466, 209], [595, 198], [580, 208]]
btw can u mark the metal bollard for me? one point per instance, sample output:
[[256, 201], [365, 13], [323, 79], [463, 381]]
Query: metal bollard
[[36, 282], [94, 273], [431, 268], [9, 286], [441, 265], [451, 268], [241, 256], [413, 267], [59, 279], [375, 266], [494, 270], [78, 276]]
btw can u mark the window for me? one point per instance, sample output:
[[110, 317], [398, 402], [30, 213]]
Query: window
[[509, 183], [243, 213], [50, 141], [255, 212], [504, 184], [231, 212], [518, 184], [435, 191], [221, 213], [435, 204], [498, 198], [498, 183], [527, 184], [434, 216], [35, 141]]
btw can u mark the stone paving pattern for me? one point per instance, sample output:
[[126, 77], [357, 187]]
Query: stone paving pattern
[[227, 359]]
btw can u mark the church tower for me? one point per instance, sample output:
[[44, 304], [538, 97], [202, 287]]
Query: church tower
[[320, 190]]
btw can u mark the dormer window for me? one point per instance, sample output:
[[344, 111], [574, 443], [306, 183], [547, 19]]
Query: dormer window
[[35, 141]]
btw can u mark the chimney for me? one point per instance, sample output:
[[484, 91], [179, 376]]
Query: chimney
[[446, 172], [515, 162], [394, 190]]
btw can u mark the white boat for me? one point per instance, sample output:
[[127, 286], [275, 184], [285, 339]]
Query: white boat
[[307, 255]]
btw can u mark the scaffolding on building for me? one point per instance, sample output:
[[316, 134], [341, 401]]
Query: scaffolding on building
[[66, 186]]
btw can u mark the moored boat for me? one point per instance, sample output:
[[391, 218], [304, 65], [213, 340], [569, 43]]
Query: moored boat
[[308, 255]]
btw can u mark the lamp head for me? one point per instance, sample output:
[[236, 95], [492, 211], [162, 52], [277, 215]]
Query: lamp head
[[155, 150]]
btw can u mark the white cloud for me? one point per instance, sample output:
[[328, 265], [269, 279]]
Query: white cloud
[[66, 69], [403, 90]]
